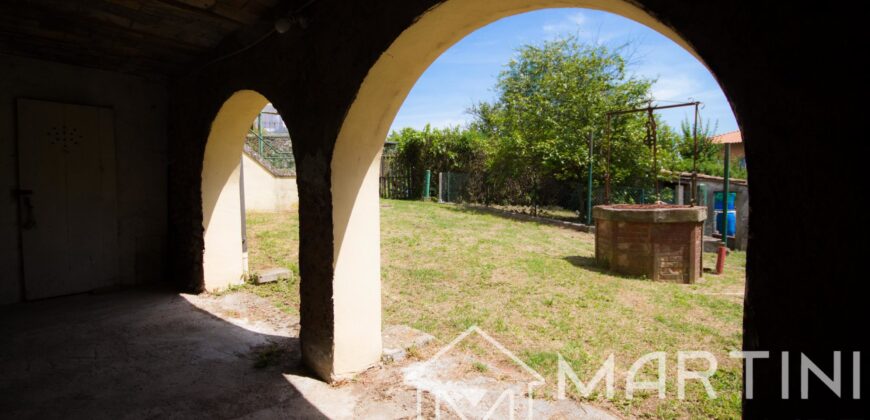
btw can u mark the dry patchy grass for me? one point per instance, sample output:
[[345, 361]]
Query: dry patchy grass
[[537, 289]]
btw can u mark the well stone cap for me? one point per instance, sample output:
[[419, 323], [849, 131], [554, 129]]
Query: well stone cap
[[650, 213]]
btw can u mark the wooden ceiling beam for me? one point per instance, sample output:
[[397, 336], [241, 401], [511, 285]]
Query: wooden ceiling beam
[[157, 14], [67, 53], [152, 35], [29, 40], [94, 21], [90, 34], [214, 9]]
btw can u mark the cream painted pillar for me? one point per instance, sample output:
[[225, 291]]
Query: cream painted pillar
[[357, 261], [223, 263]]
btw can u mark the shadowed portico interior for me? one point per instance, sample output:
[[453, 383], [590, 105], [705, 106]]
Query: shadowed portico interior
[[337, 72]]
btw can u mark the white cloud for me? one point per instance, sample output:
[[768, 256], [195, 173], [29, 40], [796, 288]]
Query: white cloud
[[675, 87], [578, 18], [553, 28], [572, 22]]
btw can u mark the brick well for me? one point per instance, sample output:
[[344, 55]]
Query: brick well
[[661, 243]]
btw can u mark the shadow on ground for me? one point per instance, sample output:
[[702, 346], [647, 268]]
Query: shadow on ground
[[143, 354], [591, 264], [543, 218], [588, 263]]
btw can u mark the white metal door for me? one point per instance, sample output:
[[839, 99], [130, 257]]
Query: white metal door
[[67, 198]]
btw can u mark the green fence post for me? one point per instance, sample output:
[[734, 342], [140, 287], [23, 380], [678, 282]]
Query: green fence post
[[426, 181]]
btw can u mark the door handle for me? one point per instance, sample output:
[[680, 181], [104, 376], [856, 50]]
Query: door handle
[[28, 221]]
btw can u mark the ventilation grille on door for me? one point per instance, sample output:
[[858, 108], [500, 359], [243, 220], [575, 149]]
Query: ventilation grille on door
[[64, 137]]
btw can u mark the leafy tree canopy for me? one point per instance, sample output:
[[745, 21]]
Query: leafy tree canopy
[[550, 99]]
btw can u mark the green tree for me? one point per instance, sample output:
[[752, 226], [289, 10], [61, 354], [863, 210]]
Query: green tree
[[551, 97], [710, 159], [451, 149]]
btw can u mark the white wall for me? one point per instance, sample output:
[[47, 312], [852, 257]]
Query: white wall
[[265, 191], [140, 109]]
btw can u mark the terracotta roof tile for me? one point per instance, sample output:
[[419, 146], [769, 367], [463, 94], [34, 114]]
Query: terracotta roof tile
[[730, 137]]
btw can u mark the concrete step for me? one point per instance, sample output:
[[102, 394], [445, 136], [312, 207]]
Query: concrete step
[[270, 275], [712, 243], [398, 339]]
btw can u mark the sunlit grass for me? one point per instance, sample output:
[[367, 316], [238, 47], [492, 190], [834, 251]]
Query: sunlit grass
[[536, 289]]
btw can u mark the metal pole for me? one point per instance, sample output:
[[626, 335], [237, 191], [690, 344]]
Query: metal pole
[[260, 133], [589, 183], [654, 139], [426, 180], [725, 194], [644, 109], [447, 189], [609, 156], [242, 210], [694, 200], [440, 187]]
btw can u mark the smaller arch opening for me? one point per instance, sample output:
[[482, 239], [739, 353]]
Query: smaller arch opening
[[249, 196]]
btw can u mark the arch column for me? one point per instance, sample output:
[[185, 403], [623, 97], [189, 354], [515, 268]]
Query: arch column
[[339, 256], [340, 296]]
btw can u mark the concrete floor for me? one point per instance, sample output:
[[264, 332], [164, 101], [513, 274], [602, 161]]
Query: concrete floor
[[154, 354], [146, 354]]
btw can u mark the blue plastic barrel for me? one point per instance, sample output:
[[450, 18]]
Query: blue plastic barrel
[[732, 222], [717, 200]]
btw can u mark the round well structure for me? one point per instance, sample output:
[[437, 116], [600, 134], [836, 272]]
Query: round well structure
[[659, 242]]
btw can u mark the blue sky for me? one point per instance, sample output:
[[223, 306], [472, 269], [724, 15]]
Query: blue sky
[[466, 73]]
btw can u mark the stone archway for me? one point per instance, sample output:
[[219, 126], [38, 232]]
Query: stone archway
[[222, 261], [354, 172], [340, 79]]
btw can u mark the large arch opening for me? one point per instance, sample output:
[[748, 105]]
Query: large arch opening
[[355, 160]]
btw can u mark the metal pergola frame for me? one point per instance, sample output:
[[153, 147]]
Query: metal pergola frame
[[652, 140]]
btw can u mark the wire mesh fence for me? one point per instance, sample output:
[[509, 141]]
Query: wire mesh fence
[[396, 187], [276, 151], [633, 195], [452, 187], [457, 187]]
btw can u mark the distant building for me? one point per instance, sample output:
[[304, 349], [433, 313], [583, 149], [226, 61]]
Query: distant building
[[271, 122], [735, 139], [708, 186]]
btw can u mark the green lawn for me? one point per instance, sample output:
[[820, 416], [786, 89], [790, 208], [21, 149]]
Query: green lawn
[[537, 290]]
